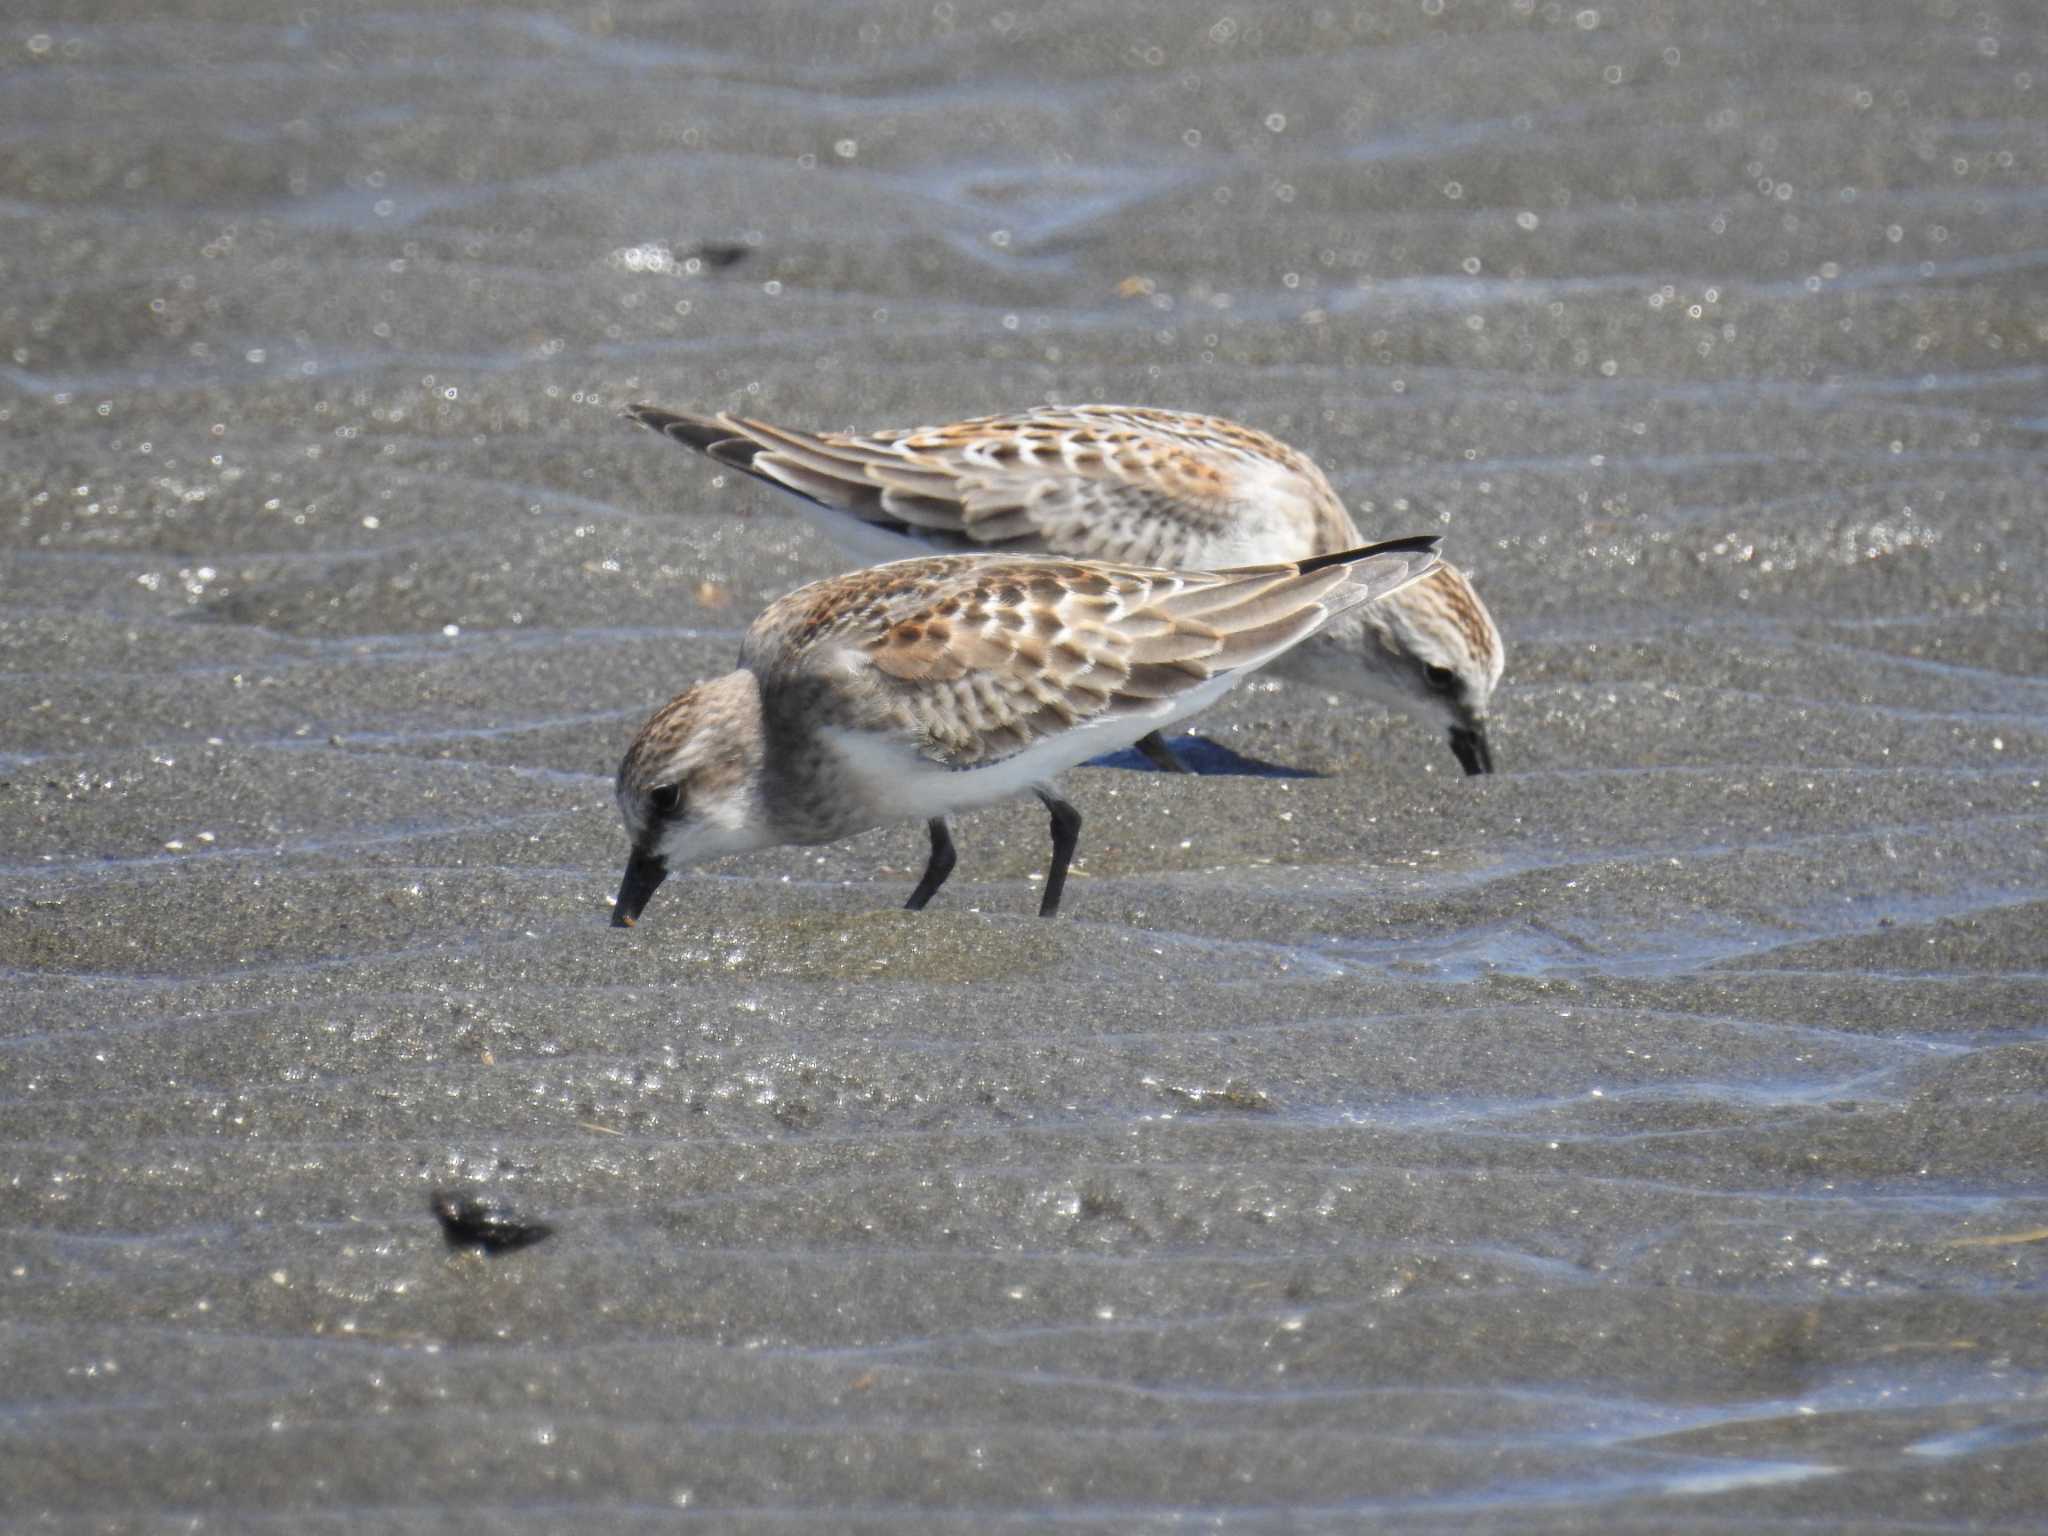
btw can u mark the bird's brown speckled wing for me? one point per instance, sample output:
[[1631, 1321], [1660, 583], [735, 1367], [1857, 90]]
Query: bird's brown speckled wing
[[1107, 482], [976, 657]]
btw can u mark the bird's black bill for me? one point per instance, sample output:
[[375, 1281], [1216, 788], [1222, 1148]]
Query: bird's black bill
[[644, 874], [1474, 753]]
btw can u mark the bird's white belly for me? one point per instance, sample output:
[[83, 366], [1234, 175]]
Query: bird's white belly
[[900, 784]]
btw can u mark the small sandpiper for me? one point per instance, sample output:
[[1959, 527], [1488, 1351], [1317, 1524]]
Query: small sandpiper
[[913, 690], [1132, 485]]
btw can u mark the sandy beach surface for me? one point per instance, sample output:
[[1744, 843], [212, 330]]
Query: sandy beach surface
[[1649, 1137]]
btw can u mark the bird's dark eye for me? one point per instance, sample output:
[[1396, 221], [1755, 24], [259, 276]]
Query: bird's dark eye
[[666, 800], [1440, 679]]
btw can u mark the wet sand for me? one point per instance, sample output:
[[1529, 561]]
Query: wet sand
[[1647, 1137]]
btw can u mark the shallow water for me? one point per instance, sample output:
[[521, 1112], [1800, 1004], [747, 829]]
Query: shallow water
[[1648, 1137]]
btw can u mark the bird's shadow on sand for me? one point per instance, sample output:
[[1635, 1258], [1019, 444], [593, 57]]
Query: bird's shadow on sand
[[1206, 758]]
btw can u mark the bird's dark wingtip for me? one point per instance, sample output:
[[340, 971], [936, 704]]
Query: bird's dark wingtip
[[699, 432], [1413, 544]]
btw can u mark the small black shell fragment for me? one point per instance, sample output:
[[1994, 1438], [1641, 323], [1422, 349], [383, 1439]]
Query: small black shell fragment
[[716, 254], [478, 1221]]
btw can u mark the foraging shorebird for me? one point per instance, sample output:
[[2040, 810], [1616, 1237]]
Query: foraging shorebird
[[913, 690], [1139, 486]]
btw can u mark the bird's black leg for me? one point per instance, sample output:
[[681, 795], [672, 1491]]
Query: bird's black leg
[[935, 872], [1066, 832], [1160, 755]]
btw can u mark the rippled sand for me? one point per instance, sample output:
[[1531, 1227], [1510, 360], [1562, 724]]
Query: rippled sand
[[1648, 1137]]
